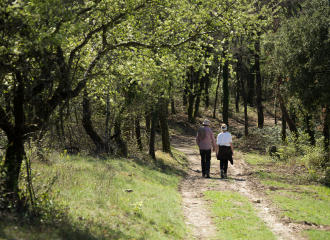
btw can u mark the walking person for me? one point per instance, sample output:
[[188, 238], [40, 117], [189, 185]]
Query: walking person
[[204, 138], [225, 151]]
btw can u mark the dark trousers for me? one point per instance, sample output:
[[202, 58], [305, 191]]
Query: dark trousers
[[224, 165], [206, 160]]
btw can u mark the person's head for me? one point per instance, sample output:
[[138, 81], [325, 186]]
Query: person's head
[[206, 122], [224, 127]]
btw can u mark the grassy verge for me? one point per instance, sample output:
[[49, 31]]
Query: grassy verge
[[109, 199], [288, 188], [314, 234], [235, 217]]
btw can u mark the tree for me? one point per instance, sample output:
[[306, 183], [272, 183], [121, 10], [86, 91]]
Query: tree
[[52, 49], [300, 56]]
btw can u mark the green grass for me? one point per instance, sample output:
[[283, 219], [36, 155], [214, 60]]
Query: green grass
[[317, 235], [235, 217], [275, 183], [303, 203], [297, 200], [269, 175], [99, 205], [257, 159]]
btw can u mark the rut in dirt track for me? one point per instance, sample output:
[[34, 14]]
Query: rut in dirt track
[[196, 212]]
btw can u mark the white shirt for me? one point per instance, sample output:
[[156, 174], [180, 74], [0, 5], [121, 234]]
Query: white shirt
[[224, 139]]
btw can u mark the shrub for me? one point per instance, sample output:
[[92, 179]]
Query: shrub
[[295, 151]]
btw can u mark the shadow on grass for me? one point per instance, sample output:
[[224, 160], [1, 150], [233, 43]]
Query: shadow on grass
[[187, 128], [160, 164], [13, 226]]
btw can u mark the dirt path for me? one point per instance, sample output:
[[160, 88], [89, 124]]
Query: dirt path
[[192, 188]]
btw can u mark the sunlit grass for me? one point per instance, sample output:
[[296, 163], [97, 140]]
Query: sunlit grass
[[235, 217], [113, 199], [302, 203], [317, 235], [257, 159]]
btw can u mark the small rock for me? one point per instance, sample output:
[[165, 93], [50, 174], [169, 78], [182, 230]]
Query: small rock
[[256, 201], [128, 190]]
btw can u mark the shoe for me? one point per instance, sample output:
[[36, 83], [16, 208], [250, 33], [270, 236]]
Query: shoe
[[222, 174], [225, 175], [203, 174], [207, 175]]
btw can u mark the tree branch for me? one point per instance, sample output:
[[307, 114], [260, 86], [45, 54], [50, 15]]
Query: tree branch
[[83, 11], [102, 27]]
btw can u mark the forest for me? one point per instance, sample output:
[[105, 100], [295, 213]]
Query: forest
[[104, 78]]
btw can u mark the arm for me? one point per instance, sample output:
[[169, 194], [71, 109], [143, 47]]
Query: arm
[[232, 148], [197, 140], [215, 149]]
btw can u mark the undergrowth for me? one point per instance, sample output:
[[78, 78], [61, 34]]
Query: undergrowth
[[294, 151]]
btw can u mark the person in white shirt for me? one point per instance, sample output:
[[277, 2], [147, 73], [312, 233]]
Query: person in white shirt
[[225, 150]]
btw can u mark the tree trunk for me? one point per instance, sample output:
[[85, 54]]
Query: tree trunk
[[250, 85], [283, 129], [88, 126], [206, 96], [258, 84], [310, 132], [237, 93], [138, 133], [107, 122], [206, 90], [171, 98], [285, 114], [62, 136], [293, 114], [185, 90], [173, 106], [275, 107], [200, 88], [118, 139], [191, 94], [225, 87], [15, 150], [246, 119], [148, 122], [164, 127], [244, 95], [12, 165], [217, 89], [153, 134]]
